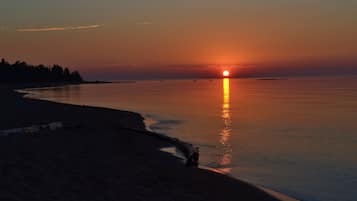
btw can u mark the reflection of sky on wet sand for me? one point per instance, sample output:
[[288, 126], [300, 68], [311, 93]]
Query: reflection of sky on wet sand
[[226, 131]]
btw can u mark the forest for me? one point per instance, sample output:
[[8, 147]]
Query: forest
[[21, 72]]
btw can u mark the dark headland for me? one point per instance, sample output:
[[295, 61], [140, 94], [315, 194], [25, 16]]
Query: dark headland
[[95, 157]]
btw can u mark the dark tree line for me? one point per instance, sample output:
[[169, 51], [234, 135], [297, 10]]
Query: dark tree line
[[21, 72]]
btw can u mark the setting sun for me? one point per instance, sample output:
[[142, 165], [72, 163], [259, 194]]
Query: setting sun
[[225, 73]]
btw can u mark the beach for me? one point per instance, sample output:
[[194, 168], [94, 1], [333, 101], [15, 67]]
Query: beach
[[98, 154]]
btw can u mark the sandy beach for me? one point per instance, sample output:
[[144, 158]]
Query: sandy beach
[[95, 157]]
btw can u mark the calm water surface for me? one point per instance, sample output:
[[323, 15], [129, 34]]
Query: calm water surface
[[297, 136]]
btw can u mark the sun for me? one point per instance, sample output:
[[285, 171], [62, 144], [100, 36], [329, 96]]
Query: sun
[[225, 73]]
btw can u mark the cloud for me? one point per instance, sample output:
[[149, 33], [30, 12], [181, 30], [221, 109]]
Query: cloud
[[43, 29]]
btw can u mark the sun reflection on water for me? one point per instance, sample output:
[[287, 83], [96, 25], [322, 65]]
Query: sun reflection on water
[[227, 128]]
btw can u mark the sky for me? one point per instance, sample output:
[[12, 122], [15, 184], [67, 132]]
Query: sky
[[111, 39]]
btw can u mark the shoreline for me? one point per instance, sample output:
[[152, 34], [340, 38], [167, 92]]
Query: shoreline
[[237, 185], [186, 149]]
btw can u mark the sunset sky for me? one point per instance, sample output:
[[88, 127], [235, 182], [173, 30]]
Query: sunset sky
[[111, 39]]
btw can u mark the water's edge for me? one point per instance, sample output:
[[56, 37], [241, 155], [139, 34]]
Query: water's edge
[[186, 149]]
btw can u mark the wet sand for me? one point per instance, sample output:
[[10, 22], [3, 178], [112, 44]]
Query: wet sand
[[95, 157]]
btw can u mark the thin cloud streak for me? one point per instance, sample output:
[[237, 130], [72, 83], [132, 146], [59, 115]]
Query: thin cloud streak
[[85, 27]]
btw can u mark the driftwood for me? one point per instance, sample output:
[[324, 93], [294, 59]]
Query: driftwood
[[190, 152]]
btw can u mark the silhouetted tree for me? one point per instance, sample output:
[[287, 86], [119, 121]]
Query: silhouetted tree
[[67, 74], [76, 77], [21, 72], [4, 62]]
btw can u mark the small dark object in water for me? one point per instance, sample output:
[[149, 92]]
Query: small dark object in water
[[193, 158]]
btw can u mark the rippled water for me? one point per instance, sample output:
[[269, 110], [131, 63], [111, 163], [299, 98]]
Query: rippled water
[[297, 136]]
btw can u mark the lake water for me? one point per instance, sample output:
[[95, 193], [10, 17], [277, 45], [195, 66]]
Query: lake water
[[297, 135]]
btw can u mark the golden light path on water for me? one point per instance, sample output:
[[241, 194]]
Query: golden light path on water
[[227, 128]]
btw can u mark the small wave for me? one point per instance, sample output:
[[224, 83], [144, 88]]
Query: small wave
[[154, 123]]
